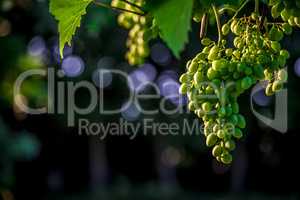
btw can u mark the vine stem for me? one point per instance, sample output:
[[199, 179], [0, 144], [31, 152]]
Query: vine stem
[[257, 6], [240, 8], [104, 5], [218, 23], [226, 8]]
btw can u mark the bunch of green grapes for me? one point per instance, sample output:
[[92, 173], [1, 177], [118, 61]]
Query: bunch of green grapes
[[217, 76], [140, 30], [213, 97], [259, 55], [288, 10]]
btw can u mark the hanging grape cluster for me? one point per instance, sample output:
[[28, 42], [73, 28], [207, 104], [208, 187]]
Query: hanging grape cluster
[[140, 30], [288, 10], [218, 75]]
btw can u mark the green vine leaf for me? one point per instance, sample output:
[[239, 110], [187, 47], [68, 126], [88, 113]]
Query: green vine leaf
[[69, 14], [173, 18]]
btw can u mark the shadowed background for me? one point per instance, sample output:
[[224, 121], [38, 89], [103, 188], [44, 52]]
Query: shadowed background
[[41, 158]]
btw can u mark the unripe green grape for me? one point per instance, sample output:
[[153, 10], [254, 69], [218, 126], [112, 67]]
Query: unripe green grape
[[276, 46], [213, 53], [291, 21], [269, 90], [199, 113], [143, 51], [206, 41], [277, 85], [259, 71], [241, 67], [118, 4], [228, 110], [275, 34], [221, 134], [218, 65], [268, 74], [276, 10], [235, 107], [282, 75], [285, 54], [193, 67], [200, 56], [230, 145], [281, 61], [237, 133], [211, 74], [225, 29], [297, 21], [233, 119], [206, 50], [222, 112], [217, 151], [226, 158], [192, 106], [233, 24], [216, 82], [211, 140], [198, 77], [209, 90], [228, 52], [241, 122], [254, 16], [246, 83], [184, 78], [248, 71], [287, 29], [183, 88], [237, 53], [206, 107], [285, 15]]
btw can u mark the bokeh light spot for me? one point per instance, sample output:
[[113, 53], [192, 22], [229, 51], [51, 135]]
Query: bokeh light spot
[[73, 66]]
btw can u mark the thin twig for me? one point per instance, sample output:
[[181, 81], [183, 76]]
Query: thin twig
[[257, 6], [240, 8], [226, 8], [218, 23], [117, 9]]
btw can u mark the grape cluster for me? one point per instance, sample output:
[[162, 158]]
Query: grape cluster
[[218, 75], [259, 55], [140, 30], [212, 96], [288, 10]]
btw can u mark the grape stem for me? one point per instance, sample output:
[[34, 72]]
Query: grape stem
[[257, 6], [104, 5], [275, 23], [240, 8], [218, 23], [226, 8]]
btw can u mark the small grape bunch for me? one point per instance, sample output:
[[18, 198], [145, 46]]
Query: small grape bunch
[[260, 54], [289, 11], [212, 96], [141, 30]]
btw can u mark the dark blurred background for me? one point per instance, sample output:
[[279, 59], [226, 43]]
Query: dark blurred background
[[41, 158]]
